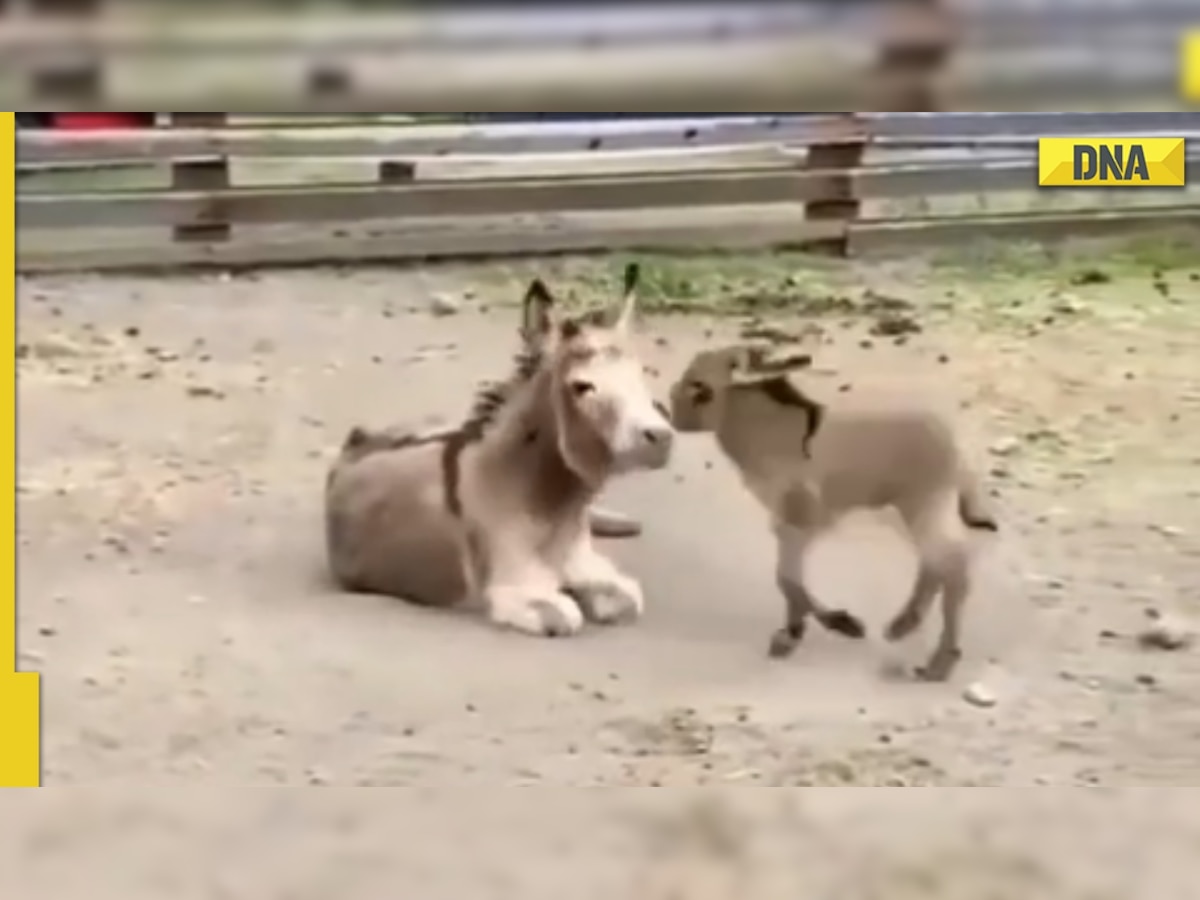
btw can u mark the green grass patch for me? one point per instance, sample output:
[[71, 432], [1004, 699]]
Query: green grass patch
[[995, 285], [1138, 255]]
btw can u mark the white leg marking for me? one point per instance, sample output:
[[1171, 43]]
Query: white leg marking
[[523, 594], [606, 594], [538, 613]]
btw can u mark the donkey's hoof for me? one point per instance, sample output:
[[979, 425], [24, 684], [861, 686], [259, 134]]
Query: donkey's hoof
[[844, 623], [785, 641], [902, 626], [610, 604], [542, 617], [558, 618], [940, 665]]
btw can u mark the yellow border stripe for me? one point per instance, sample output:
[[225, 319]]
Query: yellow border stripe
[[20, 707], [1189, 66]]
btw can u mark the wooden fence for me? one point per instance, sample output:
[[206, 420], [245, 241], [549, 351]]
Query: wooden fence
[[203, 193]]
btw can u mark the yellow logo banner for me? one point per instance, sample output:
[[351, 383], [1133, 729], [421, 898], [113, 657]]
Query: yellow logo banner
[[20, 704], [1111, 162]]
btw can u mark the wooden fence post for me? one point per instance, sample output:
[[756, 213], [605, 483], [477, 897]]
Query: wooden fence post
[[200, 175], [328, 81], [839, 156], [397, 171], [914, 49], [75, 82]]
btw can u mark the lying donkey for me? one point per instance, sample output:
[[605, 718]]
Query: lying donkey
[[809, 464], [496, 510], [602, 522]]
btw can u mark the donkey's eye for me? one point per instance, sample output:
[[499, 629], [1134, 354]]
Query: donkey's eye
[[701, 393], [582, 388]]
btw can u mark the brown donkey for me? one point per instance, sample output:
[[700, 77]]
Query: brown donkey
[[809, 464], [496, 511]]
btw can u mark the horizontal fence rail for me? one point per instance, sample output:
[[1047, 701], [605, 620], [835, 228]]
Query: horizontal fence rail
[[236, 196], [930, 129]]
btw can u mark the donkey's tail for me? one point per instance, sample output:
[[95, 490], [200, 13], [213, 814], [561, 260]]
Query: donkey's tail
[[973, 504], [360, 442]]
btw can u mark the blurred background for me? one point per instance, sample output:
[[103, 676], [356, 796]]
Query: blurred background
[[364, 130], [596, 57]]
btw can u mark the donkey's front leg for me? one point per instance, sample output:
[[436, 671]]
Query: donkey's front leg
[[523, 593], [792, 545], [605, 593]]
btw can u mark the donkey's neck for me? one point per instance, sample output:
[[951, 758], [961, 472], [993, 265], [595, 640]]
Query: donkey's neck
[[523, 449], [758, 434], [739, 424]]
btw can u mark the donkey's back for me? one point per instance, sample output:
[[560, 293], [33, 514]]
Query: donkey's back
[[387, 528], [882, 450]]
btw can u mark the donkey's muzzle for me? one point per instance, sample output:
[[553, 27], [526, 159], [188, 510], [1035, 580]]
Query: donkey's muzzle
[[651, 447]]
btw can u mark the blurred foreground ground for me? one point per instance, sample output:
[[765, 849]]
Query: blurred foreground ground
[[686, 844], [174, 437]]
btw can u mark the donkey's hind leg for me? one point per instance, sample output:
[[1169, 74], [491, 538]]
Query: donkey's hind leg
[[956, 585], [942, 544], [913, 613], [792, 543]]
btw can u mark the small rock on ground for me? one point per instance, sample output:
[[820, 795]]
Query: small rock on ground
[[1167, 632], [444, 305], [979, 694]]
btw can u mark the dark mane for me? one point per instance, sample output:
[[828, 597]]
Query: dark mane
[[783, 392], [492, 396], [490, 399]]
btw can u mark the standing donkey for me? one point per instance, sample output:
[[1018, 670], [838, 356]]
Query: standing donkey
[[809, 464], [496, 511]]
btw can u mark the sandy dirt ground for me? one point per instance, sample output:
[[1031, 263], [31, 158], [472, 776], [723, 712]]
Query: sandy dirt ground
[[174, 438]]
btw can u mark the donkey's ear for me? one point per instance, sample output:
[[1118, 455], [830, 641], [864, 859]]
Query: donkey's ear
[[742, 359], [629, 296], [537, 311], [633, 274], [742, 363]]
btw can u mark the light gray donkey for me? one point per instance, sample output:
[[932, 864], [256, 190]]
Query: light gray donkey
[[496, 511]]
